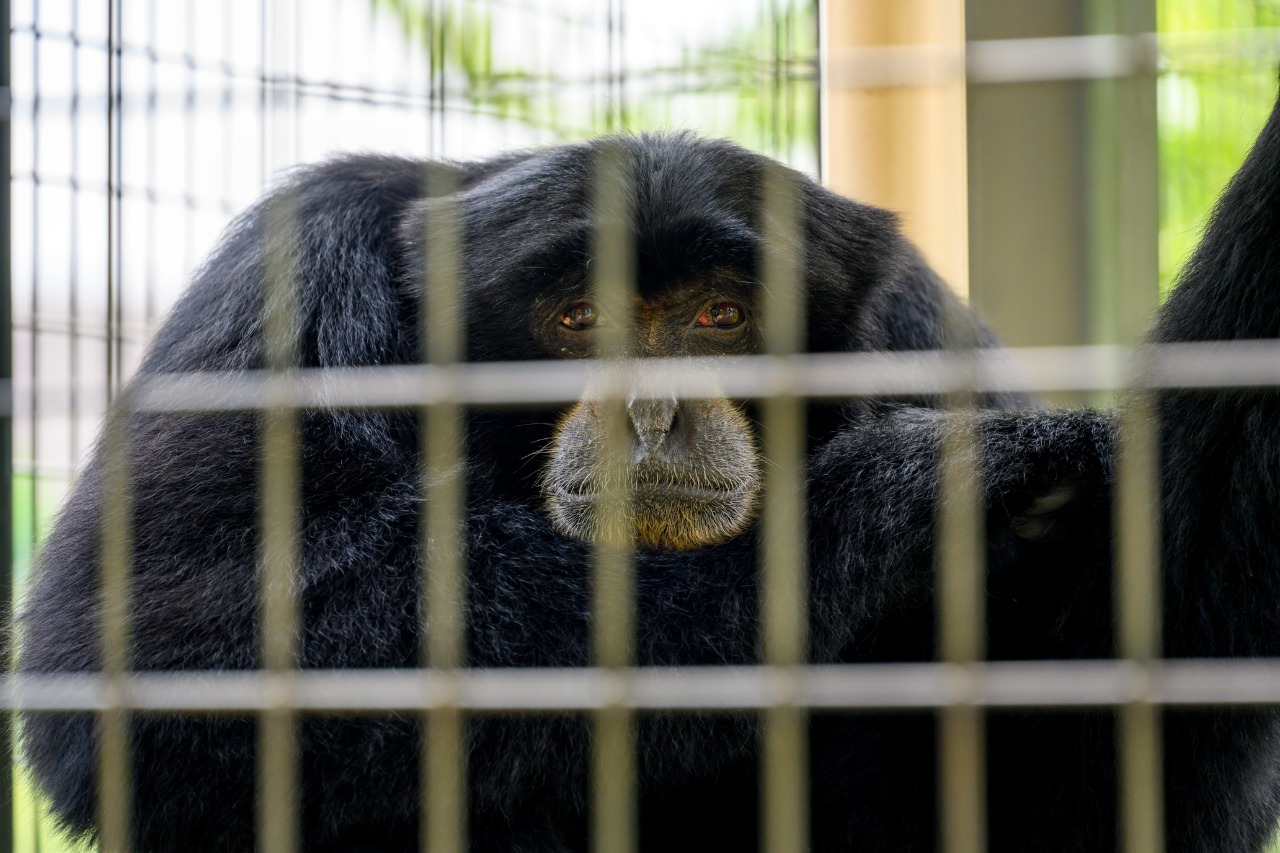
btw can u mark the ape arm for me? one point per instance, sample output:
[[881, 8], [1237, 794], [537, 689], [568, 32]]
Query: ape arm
[[1220, 476], [873, 518]]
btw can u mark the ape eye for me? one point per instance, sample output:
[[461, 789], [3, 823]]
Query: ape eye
[[579, 316], [721, 315]]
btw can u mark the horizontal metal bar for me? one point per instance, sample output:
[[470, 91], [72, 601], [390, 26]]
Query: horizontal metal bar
[[823, 376], [991, 61], [1235, 364], [1035, 60], [1032, 60], [1043, 684]]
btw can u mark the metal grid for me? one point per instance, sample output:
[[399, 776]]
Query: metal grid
[[784, 688]]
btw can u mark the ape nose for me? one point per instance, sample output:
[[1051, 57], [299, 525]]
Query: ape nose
[[651, 420]]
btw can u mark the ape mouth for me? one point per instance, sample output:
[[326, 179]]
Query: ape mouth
[[666, 515], [680, 491], [665, 491]]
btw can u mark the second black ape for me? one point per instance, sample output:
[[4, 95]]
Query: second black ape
[[872, 485]]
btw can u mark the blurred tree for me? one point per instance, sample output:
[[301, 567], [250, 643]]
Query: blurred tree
[[754, 82], [1209, 112]]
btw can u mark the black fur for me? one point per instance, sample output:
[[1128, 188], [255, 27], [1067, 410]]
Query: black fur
[[872, 486]]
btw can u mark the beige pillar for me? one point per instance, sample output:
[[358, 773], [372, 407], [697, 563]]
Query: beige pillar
[[898, 146]]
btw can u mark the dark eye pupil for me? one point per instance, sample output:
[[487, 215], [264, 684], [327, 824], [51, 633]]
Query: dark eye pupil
[[726, 315], [721, 315], [580, 316]]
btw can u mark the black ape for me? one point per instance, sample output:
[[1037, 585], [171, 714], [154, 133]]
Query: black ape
[[872, 485]]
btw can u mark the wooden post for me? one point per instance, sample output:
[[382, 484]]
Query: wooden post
[[896, 146]]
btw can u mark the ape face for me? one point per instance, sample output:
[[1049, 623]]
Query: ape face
[[692, 470], [693, 473]]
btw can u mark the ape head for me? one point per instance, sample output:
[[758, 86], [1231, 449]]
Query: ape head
[[693, 471]]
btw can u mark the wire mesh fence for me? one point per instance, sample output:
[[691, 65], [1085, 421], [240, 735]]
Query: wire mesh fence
[[120, 222]]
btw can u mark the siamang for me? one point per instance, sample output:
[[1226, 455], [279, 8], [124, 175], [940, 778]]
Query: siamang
[[530, 479]]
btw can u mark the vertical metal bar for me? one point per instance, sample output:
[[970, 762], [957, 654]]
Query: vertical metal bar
[[780, 14], [280, 514], [6, 430], [115, 123], [33, 350], [115, 783], [1137, 602], [961, 617], [189, 103], [1123, 199], [614, 824], [437, 76], [610, 124], [961, 587], [114, 764], [280, 519], [824, 88], [962, 774], [619, 71], [32, 489], [229, 72], [150, 282], [33, 353], [443, 549], [784, 579], [1122, 191], [73, 244]]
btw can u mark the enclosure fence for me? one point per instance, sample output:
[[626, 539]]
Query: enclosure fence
[[785, 687]]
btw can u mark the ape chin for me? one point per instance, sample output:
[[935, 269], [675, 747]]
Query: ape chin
[[540, 486]]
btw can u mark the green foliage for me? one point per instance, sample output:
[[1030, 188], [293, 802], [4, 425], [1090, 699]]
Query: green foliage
[[774, 91], [33, 830], [754, 82], [1208, 118], [458, 41]]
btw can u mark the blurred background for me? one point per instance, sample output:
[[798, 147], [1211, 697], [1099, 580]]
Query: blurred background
[[1055, 160]]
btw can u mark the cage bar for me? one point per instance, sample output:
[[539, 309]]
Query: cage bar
[[115, 782], [1137, 620], [443, 549], [784, 587], [961, 613], [1049, 684], [613, 797], [1240, 364], [6, 427], [961, 618], [74, 236], [115, 196], [1123, 189], [115, 779], [281, 530], [279, 795]]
